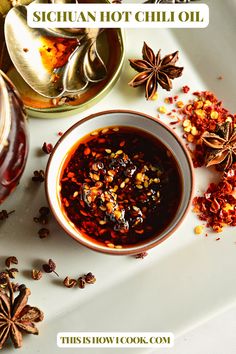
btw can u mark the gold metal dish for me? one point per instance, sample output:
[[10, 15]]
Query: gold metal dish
[[110, 47]]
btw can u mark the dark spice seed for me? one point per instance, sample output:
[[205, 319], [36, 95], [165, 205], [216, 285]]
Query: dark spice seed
[[11, 260], [141, 255], [36, 274], [4, 214], [69, 283], [44, 211], [50, 267], [42, 219], [43, 233], [47, 148], [81, 283], [38, 176], [89, 278]]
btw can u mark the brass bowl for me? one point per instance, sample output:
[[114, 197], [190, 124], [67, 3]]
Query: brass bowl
[[110, 46]]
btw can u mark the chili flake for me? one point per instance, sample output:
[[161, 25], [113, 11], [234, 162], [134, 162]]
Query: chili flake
[[204, 113], [185, 89]]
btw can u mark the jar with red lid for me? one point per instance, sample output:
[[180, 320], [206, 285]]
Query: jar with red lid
[[13, 137]]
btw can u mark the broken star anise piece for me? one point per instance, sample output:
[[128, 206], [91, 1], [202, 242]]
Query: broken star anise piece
[[152, 70], [221, 146], [16, 316]]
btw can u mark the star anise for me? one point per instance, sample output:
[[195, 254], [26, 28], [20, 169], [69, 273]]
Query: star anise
[[16, 316], [153, 71], [221, 146]]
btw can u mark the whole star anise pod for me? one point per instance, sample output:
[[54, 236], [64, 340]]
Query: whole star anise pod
[[16, 316], [153, 71], [221, 146]]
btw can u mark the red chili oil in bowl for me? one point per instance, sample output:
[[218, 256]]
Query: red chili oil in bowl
[[120, 186]]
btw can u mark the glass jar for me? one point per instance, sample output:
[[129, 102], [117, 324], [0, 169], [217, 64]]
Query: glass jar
[[13, 137]]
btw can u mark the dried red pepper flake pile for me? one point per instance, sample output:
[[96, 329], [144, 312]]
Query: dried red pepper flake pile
[[205, 113], [217, 207]]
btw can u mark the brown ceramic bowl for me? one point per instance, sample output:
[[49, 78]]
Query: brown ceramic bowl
[[119, 118]]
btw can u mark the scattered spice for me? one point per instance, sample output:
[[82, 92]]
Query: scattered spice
[[4, 214], [81, 283], [211, 130], [220, 77], [89, 278], [11, 260], [43, 233], [141, 255], [36, 274], [47, 148], [218, 204], [152, 70], [38, 176], [203, 114], [25, 50], [44, 211], [60, 133], [50, 267], [69, 283], [16, 316], [43, 218]]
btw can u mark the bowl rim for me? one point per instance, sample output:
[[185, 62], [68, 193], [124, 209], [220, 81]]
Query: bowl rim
[[123, 251]]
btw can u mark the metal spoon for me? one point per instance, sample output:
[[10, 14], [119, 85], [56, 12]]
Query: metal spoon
[[23, 43], [84, 65]]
